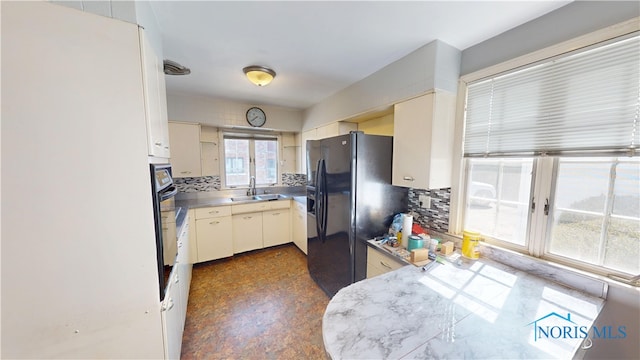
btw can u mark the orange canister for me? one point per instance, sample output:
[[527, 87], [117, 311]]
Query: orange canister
[[470, 244]]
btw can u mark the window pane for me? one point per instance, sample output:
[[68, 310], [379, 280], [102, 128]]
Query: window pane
[[582, 185], [236, 153], [626, 191], [266, 161], [576, 235], [623, 245], [498, 194], [596, 217]]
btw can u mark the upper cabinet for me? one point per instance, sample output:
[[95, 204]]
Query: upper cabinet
[[209, 151], [326, 131], [155, 99], [185, 149], [423, 141]]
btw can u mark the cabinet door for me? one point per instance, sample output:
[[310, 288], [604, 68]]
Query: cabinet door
[[299, 226], [247, 232], [306, 135], [185, 149], [423, 141], [214, 238], [379, 263], [171, 321], [155, 99], [276, 227]]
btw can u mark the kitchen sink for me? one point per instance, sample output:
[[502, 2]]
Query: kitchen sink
[[269, 197], [264, 197], [245, 198]]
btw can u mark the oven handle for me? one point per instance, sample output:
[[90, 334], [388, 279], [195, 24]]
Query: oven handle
[[168, 193]]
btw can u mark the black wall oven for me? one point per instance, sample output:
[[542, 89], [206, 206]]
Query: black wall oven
[[163, 191]]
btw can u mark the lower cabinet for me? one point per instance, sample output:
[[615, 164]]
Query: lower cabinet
[[299, 226], [247, 232], [214, 238], [276, 227], [171, 319], [221, 231], [379, 263], [174, 305], [213, 233]]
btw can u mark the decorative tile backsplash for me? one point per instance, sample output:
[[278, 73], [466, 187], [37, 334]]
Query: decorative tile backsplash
[[212, 183], [290, 179], [437, 216], [197, 184]]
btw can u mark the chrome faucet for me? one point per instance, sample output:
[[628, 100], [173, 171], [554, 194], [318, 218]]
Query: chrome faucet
[[252, 186]]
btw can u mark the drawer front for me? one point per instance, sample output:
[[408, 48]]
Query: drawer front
[[211, 212], [280, 204], [251, 207], [383, 261]]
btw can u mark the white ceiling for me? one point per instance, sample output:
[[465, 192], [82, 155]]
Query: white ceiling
[[316, 48]]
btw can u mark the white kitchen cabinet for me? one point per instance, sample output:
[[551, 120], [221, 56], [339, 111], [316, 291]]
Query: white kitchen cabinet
[[299, 226], [423, 141], [247, 232], [276, 227], [185, 149], [214, 233], [304, 137], [322, 132], [335, 129], [379, 263], [171, 318], [209, 151], [72, 90], [155, 99], [289, 151]]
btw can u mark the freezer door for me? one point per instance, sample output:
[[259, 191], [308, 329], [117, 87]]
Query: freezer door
[[330, 252]]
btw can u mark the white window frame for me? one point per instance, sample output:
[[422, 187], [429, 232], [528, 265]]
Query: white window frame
[[542, 185], [222, 162]]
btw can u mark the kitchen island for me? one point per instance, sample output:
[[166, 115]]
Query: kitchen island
[[478, 309]]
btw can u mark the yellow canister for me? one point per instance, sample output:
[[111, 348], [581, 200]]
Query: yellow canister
[[470, 244]]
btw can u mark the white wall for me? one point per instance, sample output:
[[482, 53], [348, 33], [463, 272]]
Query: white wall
[[565, 23], [435, 65], [225, 113]]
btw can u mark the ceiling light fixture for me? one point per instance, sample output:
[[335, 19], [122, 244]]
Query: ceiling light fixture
[[259, 75]]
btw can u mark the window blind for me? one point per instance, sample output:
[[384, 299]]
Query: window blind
[[581, 102]]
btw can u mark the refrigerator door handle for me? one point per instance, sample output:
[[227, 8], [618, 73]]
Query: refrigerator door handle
[[318, 207], [325, 201]]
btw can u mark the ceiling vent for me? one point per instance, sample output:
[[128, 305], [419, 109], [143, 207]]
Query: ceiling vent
[[173, 68]]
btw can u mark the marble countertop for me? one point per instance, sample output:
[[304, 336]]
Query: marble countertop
[[480, 309]]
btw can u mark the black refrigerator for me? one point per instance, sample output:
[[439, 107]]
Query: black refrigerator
[[350, 200]]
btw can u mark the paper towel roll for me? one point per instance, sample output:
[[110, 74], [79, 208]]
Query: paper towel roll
[[407, 225]]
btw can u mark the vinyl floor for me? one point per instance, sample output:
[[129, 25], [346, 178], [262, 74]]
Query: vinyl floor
[[257, 305]]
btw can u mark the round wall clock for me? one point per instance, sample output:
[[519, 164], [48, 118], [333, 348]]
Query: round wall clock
[[256, 117]]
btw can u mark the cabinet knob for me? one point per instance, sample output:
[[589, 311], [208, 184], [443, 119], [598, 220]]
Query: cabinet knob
[[213, 212], [385, 265], [275, 214], [214, 222], [185, 172], [408, 178], [248, 217], [158, 144]]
